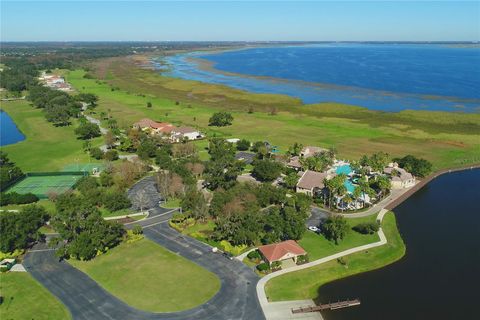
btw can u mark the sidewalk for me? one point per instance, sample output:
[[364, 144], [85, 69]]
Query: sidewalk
[[262, 297]]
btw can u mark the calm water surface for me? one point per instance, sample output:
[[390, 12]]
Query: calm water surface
[[439, 278], [389, 77], [9, 132]]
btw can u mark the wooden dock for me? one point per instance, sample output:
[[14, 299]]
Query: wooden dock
[[328, 306]]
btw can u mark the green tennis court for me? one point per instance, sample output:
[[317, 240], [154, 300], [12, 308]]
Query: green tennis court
[[41, 186], [91, 168]]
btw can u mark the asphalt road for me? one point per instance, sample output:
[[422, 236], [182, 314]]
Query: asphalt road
[[236, 299]]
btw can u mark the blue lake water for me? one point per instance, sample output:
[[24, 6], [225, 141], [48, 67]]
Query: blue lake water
[[389, 77], [9, 133]]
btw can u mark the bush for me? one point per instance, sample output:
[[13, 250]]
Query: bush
[[96, 153], [16, 198], [276, 265], [302, 259], [86, 184], [263, 267], [254, 255], [131, 236], [116, 200], [111, 155], [243, 145], [228, 247], [88, 130], [220, 119], [367, 227], [137, 230]]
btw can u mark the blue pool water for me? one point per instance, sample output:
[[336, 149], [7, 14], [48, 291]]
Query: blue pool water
[[346, 169], [9, 133], [389, 77]]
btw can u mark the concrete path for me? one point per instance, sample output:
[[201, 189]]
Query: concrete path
[[267, 309], [97, 122], [282, 310]]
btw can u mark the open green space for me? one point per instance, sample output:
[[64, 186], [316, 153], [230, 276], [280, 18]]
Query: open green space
[[305, 284], [446, 139], [151, 278], [46, 147], [318, 246], [25, 298]]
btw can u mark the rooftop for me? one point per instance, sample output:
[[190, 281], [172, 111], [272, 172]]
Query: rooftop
[[312, 179], [282, 250]]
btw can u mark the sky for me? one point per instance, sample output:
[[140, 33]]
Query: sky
[[240, 20]]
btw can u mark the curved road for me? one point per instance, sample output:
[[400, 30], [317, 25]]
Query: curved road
[[236, 299]]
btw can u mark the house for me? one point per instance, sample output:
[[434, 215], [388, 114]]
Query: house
[[180, 133], [294, 163], [311, 182], [153, 127], [285, 251], [399, 177], [310, 151]]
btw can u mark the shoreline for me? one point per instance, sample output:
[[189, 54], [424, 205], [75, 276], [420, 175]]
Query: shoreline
[[16, 126], [209, 66]]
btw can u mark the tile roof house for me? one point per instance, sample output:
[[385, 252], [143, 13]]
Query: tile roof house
[[281, 251], [294, 163], [154, 127], [311, 182], [310, 151], [399, 177]]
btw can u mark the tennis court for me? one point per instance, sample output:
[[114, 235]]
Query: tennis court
[[41, 185]]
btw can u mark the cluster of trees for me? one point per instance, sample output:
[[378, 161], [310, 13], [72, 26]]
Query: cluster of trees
[[9, 172], [109, 155], [416, 166], [83, 233], [318, 162], [101, 194], [220, 119], [18, 75], [18, 230], [249, 214], [222, 169], [16, 198], [87, 130]]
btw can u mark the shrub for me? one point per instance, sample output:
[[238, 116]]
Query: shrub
[[137, 230], [16, 198], [131, 236], [263, 267], [254, 255], [111, 155], [276, 265], [243, 145], [116, 200], [366, 228], [96, 153], [302, 259]]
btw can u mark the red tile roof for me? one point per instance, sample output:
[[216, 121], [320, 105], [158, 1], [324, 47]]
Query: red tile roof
[[282, 250]]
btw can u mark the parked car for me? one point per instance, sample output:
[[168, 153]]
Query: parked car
[[228, 255], [313, 228]]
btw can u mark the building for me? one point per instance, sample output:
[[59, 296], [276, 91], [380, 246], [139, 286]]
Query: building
[[310, 151], [285, 251], [188, 133], [294, 163], [311, 182], [153, 127], [399, 177]]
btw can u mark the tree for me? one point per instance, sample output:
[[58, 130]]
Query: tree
[[220, 119], [116, 200], [109, 139], [291, 180], [88, 130], [335, 228], [367, 227], [163, 159], [87, 145], [111, 155], [140, 199], [58, 114], [416, 166], [86, 183], [96, 153], [195, 204], [106, 179], [18, 230], [9, 172], [88, 98], [267, 170], [243, 145], [149, 104], [295, 149], [147, 149]]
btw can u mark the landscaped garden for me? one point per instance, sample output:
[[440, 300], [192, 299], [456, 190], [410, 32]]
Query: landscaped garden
[[148, 277]]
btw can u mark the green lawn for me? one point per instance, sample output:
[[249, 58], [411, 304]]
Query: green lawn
[[46, 148], [47, 204], [151, 278], [306, 283], [172, 203], [25, 298], [446, 139], [318, 246]]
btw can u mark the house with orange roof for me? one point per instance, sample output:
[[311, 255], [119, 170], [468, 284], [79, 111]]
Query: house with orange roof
[[286, 251]]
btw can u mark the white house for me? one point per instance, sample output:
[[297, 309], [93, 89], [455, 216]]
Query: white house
[[180, 133], [399, 177]]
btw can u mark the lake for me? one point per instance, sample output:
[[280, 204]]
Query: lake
[[439, 276], [9, 133], [388, 77]]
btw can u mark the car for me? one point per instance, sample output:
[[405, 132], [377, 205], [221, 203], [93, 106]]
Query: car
[[313, 228], [228, 255]]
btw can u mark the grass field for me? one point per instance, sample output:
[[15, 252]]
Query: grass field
[[41, 186], [446, 139], [149, 277], [305, 284], [25, 298], [318, 246], [46, 148]]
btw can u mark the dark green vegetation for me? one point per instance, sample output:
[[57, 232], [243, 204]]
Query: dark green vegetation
[[417, 167], [87, 130], [220, 119], [25, 298], [305, 284], [83, 233], [335, 228], [157, 280], [9, 172], [16, 198], [367, 228], [18, 230]]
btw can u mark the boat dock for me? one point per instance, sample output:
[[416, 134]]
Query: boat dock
[[328, 306]]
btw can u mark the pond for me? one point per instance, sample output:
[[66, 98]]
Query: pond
[[439, 276], [9, 133]]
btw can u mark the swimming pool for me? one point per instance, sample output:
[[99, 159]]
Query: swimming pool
[[346, 169]]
